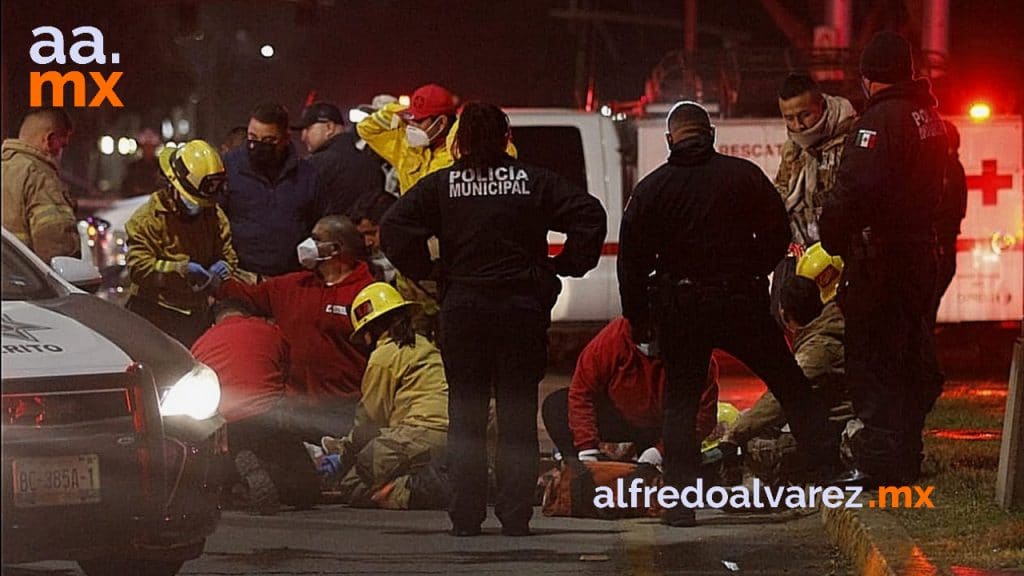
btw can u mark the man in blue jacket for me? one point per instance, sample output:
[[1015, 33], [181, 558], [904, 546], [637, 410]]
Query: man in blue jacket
[[273, 197], [346, 173]]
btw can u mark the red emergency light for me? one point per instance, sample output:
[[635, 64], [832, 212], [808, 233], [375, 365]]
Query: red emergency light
[[980, 111]]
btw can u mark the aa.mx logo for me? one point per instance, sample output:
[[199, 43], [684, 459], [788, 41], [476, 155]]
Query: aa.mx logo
[[87, 49]]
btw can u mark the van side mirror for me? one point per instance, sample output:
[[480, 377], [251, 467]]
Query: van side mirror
[[78, 272]]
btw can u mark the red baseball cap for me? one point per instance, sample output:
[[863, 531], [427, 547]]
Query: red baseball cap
[[430, 100]]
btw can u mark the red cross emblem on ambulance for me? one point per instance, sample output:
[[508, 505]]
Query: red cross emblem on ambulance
[[990, 182]]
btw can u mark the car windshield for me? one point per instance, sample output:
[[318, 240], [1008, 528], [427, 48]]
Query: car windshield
[[21, 279]]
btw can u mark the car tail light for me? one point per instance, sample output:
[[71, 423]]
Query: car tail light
[[66, 407]]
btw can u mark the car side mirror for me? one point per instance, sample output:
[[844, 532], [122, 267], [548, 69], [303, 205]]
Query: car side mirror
[[78, 272]]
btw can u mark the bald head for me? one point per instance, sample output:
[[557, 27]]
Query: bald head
[[685, 120], [48, 129], [339, 229]]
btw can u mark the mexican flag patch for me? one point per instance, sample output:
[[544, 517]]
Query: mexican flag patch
[[866, 138]]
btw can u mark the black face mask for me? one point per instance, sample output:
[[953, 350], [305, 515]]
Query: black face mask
[[263, 155]]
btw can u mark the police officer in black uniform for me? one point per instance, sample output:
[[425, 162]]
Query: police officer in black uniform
[[880, 220], [491, 214], [710, 228]]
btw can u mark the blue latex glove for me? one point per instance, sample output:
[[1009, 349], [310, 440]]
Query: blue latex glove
[[197, 276], [221, 270], [330, 465]]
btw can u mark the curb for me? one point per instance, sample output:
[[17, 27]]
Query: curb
[[874, 541]]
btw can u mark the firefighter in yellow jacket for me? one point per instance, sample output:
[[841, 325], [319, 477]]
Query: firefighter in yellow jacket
[[179, 243], [390, 458], [413, 138], [37, 207]]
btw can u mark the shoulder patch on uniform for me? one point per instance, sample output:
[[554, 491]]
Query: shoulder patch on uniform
[[866, 138]]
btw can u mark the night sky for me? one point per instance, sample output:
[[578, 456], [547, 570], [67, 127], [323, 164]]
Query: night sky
[[204, 56]]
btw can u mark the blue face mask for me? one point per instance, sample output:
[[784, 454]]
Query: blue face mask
[[864, 88]]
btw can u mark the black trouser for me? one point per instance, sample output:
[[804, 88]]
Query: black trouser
[[272, 438], [891, 368], [504, 349], [692, 321], [185, 328], [611, 426]]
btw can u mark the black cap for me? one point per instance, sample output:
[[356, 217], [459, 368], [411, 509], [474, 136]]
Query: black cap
[[887, 59], [319, 112]]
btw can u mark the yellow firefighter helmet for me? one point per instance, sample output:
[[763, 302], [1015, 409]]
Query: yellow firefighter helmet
[[196, 172], [373, 302], [727, 415], [820, 266]]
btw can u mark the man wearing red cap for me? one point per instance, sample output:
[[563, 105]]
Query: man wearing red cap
[[413, 138]]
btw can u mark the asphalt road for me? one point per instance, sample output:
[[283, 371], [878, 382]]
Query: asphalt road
[[338, 540]]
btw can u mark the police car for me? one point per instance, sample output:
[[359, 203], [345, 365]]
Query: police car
[[111, 436]]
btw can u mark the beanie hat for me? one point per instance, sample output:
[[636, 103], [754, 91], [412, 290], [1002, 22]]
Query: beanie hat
[[887, 59]]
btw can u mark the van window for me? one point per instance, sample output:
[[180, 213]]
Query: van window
[[557, 148]]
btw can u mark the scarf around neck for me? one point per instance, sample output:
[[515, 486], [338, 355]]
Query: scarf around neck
[[801, 194]]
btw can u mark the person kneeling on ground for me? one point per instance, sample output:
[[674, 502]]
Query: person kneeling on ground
[[250, 356], [813, 316], [391, 457], [616, 396]]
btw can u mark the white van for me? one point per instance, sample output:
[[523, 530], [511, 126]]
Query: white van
[[607, 157]]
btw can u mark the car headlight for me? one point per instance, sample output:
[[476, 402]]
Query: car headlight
[[196, 394]]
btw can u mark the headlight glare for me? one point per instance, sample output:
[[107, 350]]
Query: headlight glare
[[196, 395]]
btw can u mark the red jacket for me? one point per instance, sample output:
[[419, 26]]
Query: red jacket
[[314, 319], [611, 367], [250, 358]]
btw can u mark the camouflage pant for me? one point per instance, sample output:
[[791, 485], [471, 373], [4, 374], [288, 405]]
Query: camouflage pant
[[398, 469]]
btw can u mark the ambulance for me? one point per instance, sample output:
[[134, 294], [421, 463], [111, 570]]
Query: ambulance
[[608, 154]]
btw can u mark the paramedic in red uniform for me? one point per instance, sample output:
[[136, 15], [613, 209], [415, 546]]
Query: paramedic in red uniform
[[250, 356], [615, 396], [312, 309]]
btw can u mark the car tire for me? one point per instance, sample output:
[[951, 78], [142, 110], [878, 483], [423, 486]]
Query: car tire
[[130, 567]]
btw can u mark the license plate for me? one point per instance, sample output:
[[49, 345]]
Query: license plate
[[56, 481]]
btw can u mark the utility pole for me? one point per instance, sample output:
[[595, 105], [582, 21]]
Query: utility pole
[[690, 43], [1010, 476]]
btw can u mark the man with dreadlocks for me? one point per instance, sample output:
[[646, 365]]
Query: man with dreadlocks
[[491, 214]]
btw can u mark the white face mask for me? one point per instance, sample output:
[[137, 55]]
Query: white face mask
[[191, 208], [309, 254], [648, 349], [416, 137]]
